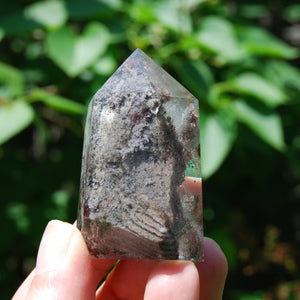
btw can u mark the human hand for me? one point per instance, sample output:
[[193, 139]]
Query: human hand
[[65, 270]]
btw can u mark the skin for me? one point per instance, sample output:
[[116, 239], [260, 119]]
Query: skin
[[65, 270]]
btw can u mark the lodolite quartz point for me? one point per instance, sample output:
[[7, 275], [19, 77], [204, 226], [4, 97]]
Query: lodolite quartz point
[[141, 189]]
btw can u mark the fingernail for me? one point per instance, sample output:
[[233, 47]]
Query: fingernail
[[54, 246]]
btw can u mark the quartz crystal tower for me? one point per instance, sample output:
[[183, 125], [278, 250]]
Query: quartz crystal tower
[[140, 183]]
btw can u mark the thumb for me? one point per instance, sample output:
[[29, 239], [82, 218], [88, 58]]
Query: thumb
[[173, 280], [63, 268], [186, 280], [212, 272]]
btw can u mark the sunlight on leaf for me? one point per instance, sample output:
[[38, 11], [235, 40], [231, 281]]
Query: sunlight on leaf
[[76, 53], [217, 35], [267, 126], [58, 103], [13, 79], [258, 41], [51, 14], [14, 117], [217, 133], [255, 85], [169, 14], [106, 65]]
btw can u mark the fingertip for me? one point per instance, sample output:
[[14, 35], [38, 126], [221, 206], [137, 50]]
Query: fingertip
[[63, 266], [173, 280], [214, 255], [54, 246], [212, 271]]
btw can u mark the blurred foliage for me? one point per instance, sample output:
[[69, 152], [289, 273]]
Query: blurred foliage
[[239, 58]]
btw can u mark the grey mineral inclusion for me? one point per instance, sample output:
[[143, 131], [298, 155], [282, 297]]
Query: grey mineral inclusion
[[141, 189]]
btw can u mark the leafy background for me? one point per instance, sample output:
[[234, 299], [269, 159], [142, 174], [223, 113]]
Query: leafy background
[[240, 58]]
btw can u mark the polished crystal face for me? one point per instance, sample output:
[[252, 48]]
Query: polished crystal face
[[141, 189]]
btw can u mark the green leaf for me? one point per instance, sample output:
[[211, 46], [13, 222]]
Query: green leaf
[[14, 117], [173, 16], [190, 4], [76, 53], [256, 86], [258, 41], [16, 24], [18, 212], [283, 74], [292, 13], [58, 103], [228, 244], [217, 35], [2, 34], [60, 200], [218, 132], [12, 79], [87, 9], [141, 12], [244, 295], [267, 126], [105, 66], [253, 10], [195, 75], [50, 14]]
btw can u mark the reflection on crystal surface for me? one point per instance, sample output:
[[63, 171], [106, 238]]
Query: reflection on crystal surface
[[140, 183]]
